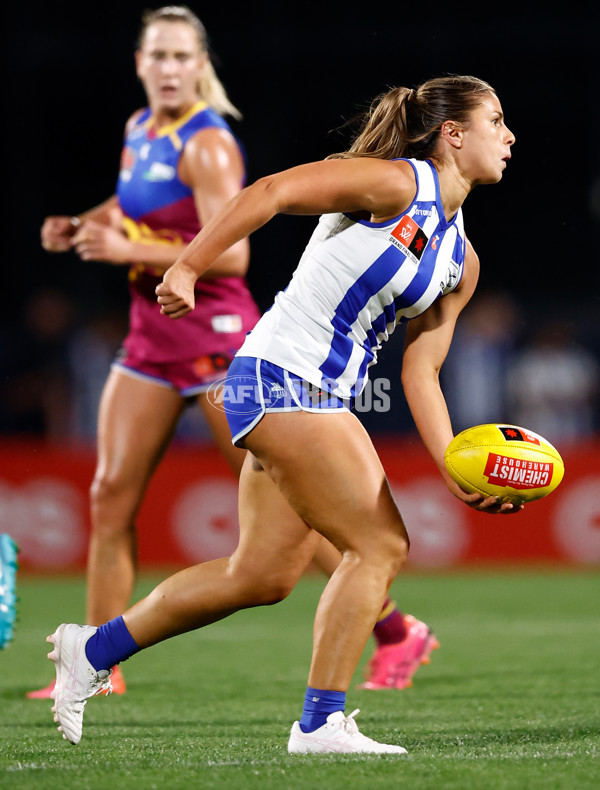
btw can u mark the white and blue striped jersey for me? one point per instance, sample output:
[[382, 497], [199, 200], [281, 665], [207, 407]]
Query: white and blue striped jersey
[[356, 281]]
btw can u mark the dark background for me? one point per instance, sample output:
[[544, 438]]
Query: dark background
[[297, 71]]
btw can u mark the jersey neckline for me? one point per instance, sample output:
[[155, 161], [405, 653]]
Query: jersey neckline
[[443, 222], [171, 128]]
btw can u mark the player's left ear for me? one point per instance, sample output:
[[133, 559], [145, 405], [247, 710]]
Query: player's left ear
[[452, 132]]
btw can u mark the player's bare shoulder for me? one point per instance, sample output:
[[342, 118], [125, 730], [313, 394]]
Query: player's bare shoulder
[[396, 191], [133, 120], [211, 150], [212, 139]]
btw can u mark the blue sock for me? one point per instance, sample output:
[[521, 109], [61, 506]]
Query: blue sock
[[111, 644], [318, 704]]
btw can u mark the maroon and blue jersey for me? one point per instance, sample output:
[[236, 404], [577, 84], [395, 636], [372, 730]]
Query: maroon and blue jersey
[[158, 207]]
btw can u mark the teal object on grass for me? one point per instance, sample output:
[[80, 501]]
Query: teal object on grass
[[8, 581]]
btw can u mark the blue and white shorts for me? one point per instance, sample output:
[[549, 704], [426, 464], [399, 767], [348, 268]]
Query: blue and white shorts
[[254, 387]]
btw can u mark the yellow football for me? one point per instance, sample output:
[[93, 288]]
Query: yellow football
[[507, 461]]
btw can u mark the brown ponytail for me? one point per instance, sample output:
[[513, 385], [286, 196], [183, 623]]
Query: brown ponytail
[[406, 122]]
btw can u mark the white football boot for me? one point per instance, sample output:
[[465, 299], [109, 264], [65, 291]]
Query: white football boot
[[76, 678], [339, 734]]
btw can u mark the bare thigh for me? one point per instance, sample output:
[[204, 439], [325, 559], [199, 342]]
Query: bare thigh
[[326, 556], [326, 468], [275, 544]]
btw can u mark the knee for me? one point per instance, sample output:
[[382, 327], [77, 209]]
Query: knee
[[388, 555], [103, 490], [110, 503], [398, 549], [265, 589], [273, 589], [274, 592]]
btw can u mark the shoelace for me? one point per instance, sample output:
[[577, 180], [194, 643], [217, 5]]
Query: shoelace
[[349, 725], [104, 685]]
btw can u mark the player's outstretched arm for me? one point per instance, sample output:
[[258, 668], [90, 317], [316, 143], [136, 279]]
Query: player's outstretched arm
[[428, 340], [380, 188]]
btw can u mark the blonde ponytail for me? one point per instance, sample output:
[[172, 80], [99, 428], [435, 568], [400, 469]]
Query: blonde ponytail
[[212, 91]]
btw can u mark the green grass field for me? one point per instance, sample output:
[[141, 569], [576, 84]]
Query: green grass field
[[511, 700]]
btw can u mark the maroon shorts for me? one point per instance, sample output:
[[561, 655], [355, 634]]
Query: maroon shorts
[[189, 377]]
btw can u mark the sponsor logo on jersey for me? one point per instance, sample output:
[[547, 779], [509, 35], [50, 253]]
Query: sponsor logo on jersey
[[409, 238], [160, 172], [517, 435], [423, 212], [128, 157], [502, 470]]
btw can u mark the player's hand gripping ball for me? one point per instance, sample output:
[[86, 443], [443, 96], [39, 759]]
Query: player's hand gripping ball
[[506, 461]]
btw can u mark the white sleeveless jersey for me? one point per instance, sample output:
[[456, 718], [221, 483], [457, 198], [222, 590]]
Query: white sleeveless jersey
[[355, 282]]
